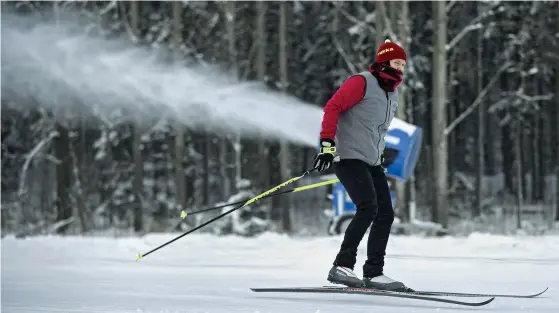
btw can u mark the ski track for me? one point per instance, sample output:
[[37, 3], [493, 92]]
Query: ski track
[[206, 274]]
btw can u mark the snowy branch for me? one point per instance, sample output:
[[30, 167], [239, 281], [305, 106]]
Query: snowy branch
[[112, 194], [528, 98], [128, 27], [450, 6], [312, 48], [476, 102], [110, 6], [359, 22], [344, 56], [30, 157], [507, 65], [473, 25], [387, 25], [461, 35], [516, 99], [499, 105], [56, 226]]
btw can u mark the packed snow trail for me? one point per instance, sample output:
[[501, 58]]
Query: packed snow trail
[[207, 274]]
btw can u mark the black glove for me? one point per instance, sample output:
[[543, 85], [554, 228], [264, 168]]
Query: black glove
[[324, 158]]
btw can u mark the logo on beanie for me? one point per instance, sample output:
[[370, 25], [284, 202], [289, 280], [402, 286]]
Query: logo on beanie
[[383, 51]]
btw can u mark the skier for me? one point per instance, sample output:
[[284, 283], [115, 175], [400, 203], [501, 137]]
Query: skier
[[354, 124]]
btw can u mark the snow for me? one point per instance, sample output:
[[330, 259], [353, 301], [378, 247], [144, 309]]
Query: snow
[[403, 126], [210, 274], [66, 68], [533, 71]]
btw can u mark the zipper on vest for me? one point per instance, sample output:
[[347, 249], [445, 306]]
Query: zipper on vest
[[387, 100], [380, 153], [388, 103]]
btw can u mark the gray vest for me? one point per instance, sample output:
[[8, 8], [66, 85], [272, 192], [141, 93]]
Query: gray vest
[[361, 129]]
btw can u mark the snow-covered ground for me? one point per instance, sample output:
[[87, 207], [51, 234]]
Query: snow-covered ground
[[202, 273]]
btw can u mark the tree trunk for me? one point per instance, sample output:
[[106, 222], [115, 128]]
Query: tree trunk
[[138, 180], [284, 155], [546, 162], [556, 163], [403, 32], [439, 118], [392, 10], [263, 165], [536, 151], [180, 177], [63, 177], [379, 23], [79, 197], [519, 174], [230, 13], [207, 137], [525, 156], [557, 138], [480, 164], [223, 166]]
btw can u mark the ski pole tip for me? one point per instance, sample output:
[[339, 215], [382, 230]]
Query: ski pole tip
[[183, 214], [139, 257]]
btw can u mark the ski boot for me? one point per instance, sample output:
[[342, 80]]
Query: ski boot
[[344, 276], [382, 282]]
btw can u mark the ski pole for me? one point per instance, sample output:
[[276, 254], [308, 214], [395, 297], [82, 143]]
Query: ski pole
[[311, 186], [252, 200]]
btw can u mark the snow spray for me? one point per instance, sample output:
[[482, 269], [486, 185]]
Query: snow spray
[[63, 66]]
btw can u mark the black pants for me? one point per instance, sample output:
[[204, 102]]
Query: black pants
[[367, 187]]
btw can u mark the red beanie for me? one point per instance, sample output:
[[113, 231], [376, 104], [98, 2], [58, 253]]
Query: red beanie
[[389, 51]]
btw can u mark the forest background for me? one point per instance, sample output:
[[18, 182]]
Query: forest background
[[481, 80]]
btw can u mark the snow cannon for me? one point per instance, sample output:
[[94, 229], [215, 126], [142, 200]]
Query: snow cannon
[[402, 145]]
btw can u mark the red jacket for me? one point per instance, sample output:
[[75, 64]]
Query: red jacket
[[348, 95]]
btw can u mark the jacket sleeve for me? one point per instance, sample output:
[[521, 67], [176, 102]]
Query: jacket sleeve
[[348, 95]]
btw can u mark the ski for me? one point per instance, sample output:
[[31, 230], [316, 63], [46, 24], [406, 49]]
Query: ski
[[372, 292], [463, 294]]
